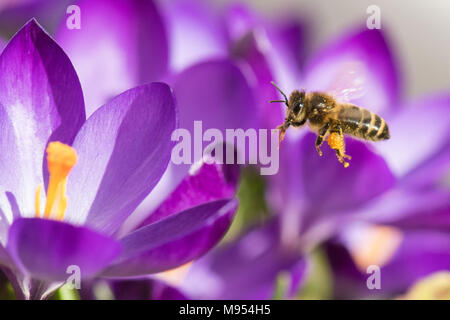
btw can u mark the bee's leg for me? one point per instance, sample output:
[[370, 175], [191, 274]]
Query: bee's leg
[[336, 142], [282, 129], [343, 146], [322, 134]]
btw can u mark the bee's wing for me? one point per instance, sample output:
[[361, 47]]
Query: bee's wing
[[349, 82]]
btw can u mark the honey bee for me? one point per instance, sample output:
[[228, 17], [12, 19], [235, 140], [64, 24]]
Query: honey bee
[[328, 117]]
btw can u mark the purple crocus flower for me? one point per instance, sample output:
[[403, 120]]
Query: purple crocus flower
[[95, 172], [147, 43], [143, 43]]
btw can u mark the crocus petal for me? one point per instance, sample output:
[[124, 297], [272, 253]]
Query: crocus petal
[[247, 268], [367, 176], [208, 182], [248, 50], [408, 147], [411, 210], [195, 33], [47, 249], [281, 38], [420, 254], [434, 219], [368, 57], [217, 94], [431, 173], [269, 52], [320, 187], [120, 44], [123, 150], [214, 93], [175, 240], [145, 289], [40, 100]]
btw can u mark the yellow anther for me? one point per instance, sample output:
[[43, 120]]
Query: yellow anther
[[60, 160]]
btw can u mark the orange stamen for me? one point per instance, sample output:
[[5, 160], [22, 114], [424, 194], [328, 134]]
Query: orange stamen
[[37, 201], [60, 160]]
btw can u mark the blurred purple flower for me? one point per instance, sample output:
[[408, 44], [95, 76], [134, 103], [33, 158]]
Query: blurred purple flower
[[195, 33], [123, 150], [315, 197], [247, 268], [417, 254], [120, 45]]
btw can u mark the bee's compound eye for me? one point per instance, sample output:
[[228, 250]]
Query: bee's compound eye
[[296, 109]]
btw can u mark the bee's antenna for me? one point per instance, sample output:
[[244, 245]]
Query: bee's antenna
[[282, 93]]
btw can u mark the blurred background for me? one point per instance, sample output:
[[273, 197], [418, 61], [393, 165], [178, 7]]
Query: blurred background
[[417, 30]]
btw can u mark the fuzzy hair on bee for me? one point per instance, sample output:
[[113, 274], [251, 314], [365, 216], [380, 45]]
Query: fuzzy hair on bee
[[329, 118]]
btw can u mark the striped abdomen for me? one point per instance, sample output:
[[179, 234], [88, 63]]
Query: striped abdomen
[[362, 123]]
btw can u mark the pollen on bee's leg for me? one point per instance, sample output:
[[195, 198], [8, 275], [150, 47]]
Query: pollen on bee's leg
[[336, 142], [341, 159], [319, 151], [60, 160]]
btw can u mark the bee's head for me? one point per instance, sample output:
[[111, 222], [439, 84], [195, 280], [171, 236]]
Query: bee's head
[[296, 113]]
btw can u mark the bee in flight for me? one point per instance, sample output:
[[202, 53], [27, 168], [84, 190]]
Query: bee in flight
[[328, 117]]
